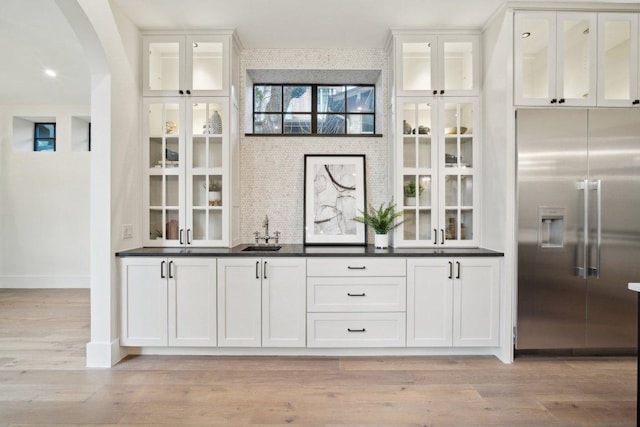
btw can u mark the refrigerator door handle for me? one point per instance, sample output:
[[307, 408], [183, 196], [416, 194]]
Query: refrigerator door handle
[[582, 271], [597, 186]]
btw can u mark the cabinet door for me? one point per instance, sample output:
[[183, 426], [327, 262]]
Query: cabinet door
[[617, 59], [458, 153], [417, 150], [143, 306], [476, 296], [239, 302], [207, 65], [458, 65], [576, 58], [535, 58], [283, 302], [163, 186], [192, 302], [416, 65], [163, 65], [429, 302], [206, 171]]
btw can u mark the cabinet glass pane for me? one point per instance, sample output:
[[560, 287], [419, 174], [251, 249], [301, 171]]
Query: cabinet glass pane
[[207, 66], [458, 65], [199, 152], [424, 224], [451, 190], [156, 126], [424, 152], [172, 159], [535, 63], [164, 66], [617, 57], [214, 195], [466, 224], [172, 224], [416, 66], [155, 190], [466, 152], [215, 225], [199, 224], [576, 58], [410, 190], [451, 230], [409, 225], [207, 119], [215, 152], [409, 152], [156, 227], [424, 190], [466, 190], [171, 119], [200, 190], [172, 190], [155, 153]]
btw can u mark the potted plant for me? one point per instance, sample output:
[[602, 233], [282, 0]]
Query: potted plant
[[215, 193], [382, 221], [410, 192]]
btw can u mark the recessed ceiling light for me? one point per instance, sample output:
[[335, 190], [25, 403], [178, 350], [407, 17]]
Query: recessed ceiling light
[[49, 72], [526, 34]]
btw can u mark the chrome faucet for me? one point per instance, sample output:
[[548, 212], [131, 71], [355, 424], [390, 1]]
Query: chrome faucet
[[266, 237]]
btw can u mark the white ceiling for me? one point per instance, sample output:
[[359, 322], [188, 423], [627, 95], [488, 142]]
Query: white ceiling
[[34, 34]]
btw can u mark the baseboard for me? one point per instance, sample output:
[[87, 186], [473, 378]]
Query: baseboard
[[44, 282], [104, 354]]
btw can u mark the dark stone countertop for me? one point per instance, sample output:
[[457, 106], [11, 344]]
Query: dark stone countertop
[[292, 250]]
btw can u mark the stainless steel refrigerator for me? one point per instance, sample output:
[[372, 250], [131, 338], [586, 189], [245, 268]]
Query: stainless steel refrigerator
[[578, 228]]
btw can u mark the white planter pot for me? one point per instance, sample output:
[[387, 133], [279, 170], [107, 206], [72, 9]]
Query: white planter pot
[[381, 241], [409, 201], [215, 198]]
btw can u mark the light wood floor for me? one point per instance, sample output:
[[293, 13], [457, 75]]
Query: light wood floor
[[43, 381]]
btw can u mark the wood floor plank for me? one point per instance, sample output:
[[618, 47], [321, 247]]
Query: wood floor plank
[[43, 381]]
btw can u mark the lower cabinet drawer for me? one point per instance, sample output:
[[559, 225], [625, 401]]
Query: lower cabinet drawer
[[356, 330], [356, 294]]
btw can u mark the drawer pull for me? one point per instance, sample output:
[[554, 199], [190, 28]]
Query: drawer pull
[[356, 268], [356, 330], [355, 295]]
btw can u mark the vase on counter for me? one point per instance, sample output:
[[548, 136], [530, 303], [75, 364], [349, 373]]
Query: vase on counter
[[381, 241]]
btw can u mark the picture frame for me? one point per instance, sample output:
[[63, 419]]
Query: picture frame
[[334, 193]]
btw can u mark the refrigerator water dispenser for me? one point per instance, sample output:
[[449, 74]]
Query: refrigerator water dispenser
[[551, 227]]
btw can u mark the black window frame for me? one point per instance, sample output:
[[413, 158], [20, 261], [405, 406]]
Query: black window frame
[[37, 138], [314, 109]]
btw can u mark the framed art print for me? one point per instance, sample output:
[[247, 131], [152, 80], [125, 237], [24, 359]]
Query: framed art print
[[334, 193]]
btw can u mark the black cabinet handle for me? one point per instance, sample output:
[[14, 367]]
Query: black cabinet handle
[[356, 330], [450, 270], [442, 236], [188, 92], [458, 265], [162, 276], [170, 270], [435, 92], [561, 101], [257, 265], [636, 102], [188, 236], [265, 270], [356, 268], [435, 236], [553, 101], [441, 92], [180, 233], [355, 295], [181, 92]]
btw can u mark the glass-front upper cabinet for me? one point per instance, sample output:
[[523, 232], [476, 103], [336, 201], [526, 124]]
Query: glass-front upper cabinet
[[185, 65], [428, 65], [185, 172], [437, 180], [618, 56], [555, 58]]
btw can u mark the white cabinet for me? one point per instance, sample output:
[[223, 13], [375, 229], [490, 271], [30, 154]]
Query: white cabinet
[[618, 56], [168, 301], [186, 171], [431, 64], [437, 171], [555, 58], [356, 302], [261, 302], [453, 302], [186, 65]]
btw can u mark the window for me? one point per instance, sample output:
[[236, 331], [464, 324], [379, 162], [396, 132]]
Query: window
[[44, 137], [304, 109]]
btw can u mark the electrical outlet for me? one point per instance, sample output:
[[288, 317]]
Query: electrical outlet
[[127, 231]]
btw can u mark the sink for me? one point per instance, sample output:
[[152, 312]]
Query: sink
[[262, 248]]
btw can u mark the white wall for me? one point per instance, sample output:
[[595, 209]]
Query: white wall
[[44, 227], [272, 167]]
